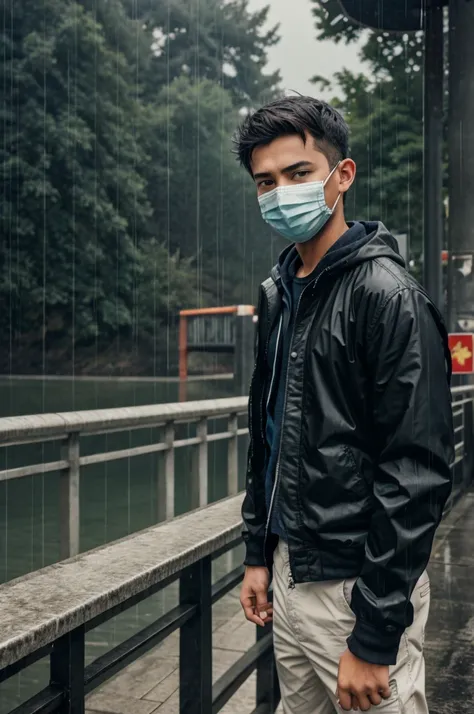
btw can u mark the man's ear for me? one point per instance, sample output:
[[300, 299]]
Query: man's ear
[[347, 174]]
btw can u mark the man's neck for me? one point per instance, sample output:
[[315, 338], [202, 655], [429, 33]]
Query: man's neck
[[315, 249]]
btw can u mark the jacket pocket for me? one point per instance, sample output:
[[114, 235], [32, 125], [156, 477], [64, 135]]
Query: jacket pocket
[[346, 594], [357, 483], [423, 586]]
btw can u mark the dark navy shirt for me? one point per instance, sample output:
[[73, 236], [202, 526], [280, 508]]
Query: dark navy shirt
[[279, 351]]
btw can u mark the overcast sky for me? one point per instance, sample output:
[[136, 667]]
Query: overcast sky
[[298, 55]]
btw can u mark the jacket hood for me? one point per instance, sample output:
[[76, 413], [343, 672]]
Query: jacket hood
[[377, 243]]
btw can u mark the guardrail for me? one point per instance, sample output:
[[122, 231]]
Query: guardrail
[[70, 428], [49, 612], [463, 420]]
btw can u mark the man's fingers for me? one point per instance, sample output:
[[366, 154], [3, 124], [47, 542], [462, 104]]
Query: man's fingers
[[375, 698], [261, 597], [363, 701], [361, 685], [251, 613], [256, 606], [344, 699], [265, 611], [254, 597], [251, 617], [385, 692], [351, 701]]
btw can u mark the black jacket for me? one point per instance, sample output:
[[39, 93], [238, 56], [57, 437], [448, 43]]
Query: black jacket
[[367, 437]]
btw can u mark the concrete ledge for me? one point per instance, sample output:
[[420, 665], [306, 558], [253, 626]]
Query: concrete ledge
[[40, 607], [25, 428]]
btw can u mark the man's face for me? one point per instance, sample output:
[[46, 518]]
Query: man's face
[[288, 161]]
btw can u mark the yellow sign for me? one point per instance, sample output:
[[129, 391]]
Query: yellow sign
[[461, 353], [461, 346]]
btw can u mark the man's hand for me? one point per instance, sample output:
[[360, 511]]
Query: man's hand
[[361, 684], [254, 595]]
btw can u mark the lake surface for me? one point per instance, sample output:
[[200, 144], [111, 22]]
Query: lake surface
[[116, 498], [39, 396]]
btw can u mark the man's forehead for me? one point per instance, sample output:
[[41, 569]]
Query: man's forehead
[[283, 152]]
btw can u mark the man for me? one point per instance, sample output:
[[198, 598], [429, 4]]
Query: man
[[350, 429]]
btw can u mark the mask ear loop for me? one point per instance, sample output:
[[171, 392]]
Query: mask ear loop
[[328, 177], [325, 182], [337, 201]]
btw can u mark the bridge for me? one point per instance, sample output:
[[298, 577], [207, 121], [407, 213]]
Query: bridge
[[190, 651]]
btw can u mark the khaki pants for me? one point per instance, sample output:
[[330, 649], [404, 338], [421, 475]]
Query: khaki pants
[[311, 624]]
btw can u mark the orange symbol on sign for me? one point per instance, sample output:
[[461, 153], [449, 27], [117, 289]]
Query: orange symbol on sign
[[461, 353]]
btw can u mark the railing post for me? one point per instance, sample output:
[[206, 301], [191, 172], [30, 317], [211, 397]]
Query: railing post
[[200, 470], [169, 469], [69, 498], [67, 670], [268, 689], [233, 456], [195, 643]]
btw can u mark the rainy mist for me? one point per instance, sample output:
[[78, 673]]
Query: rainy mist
[[132, 248]]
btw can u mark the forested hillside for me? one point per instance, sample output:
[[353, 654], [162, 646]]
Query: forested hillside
[[121, 199]]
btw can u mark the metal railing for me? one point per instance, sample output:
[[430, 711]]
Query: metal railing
[[62, 602], [71, 428], [463, 420]]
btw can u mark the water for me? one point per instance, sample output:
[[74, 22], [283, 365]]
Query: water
[[40, 396], [116, 498]]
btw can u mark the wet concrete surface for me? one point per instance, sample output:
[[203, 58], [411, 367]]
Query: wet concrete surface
[[449, 643], [68, 594], [150, 686]]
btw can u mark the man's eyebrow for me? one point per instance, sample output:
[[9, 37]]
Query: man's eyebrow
[[262, 175], [287, 169], [294, 167]]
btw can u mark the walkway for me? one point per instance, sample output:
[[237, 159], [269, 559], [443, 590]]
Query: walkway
[[151, 684]]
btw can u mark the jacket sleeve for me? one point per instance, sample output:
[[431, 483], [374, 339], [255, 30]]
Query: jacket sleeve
[[409, 371], [254, 518], [254, 514]]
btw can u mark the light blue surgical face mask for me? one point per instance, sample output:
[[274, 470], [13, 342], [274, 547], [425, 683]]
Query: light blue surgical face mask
[[297, 212]]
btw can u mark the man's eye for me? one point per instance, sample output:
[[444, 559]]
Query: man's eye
[[265, 182], [301, 174]]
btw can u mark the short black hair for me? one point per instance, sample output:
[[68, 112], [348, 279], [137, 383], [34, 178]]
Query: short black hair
[[294, 115]]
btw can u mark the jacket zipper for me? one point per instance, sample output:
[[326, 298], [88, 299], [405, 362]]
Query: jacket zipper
[[274, 360], [265, 354], [291, 583]]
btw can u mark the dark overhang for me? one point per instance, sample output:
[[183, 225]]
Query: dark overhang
[[387, 15]]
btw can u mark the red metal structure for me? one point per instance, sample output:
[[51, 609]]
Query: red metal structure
[[214, 334]]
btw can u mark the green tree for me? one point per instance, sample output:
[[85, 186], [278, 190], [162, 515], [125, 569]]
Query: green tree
[[74, 198], [120, 195], [207, 209], [218, 40]]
